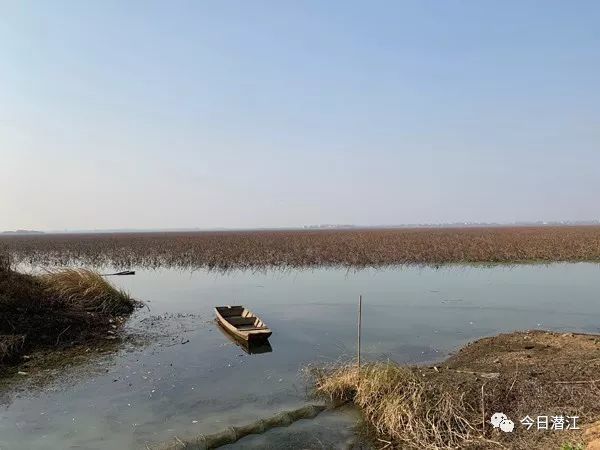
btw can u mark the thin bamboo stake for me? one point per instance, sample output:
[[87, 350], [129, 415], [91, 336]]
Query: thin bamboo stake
[[359, 324]]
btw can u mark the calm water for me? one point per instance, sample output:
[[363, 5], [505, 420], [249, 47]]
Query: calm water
[[169, 388]]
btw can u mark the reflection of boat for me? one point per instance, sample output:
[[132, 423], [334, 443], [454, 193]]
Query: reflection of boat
[[242, 324], [254, 349]]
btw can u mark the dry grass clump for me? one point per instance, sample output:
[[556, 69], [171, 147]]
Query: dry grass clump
[[87, 290], [450, 405], [402, 408], [58, 309]]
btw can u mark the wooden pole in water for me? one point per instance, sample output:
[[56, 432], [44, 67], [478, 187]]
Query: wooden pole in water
[[359, 323]]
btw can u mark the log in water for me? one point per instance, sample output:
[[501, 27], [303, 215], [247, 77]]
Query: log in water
[[233, 434]]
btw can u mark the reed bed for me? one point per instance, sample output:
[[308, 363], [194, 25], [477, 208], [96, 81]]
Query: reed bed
[[353, 248]]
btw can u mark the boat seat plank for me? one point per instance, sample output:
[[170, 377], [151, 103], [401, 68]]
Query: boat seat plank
[[250, 328], [240, 321]]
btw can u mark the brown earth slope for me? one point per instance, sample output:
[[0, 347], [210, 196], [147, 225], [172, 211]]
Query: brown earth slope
[[450, 405]]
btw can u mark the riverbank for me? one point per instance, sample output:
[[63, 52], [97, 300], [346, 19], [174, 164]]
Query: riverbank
[[56, 311], [450, 405]]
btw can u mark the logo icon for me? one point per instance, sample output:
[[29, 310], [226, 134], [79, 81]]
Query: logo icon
[[500, 420]]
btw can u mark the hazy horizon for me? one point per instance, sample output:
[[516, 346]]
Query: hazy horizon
[[148, 115], [593, 222]]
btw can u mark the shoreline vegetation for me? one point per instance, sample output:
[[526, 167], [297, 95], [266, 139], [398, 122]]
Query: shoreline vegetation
[[352, 248], [450, 405], [56, 310]]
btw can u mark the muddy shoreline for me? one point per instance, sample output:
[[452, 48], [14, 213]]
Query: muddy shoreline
[[521, 374]]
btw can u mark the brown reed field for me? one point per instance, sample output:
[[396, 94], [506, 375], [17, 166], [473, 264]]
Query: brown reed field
[[352, 248]]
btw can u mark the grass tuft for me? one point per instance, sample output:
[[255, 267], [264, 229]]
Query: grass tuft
[[399, 406], [87, 290]]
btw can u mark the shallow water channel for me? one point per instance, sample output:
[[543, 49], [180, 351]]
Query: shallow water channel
[[190, 378]]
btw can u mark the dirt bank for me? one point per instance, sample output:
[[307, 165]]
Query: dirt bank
[[450, 405], [56, 311]]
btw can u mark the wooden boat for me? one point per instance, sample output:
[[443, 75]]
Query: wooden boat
[[242, 324]]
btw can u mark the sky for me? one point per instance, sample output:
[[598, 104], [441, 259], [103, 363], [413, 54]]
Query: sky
[[221, 113]]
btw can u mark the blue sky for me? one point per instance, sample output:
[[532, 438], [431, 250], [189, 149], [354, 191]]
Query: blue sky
[[280, 113]]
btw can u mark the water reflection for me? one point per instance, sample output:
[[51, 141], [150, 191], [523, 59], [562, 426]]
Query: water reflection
[[251, 349]]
